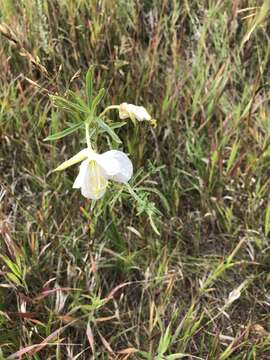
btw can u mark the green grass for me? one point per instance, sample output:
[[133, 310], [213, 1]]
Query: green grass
[[181, 272]]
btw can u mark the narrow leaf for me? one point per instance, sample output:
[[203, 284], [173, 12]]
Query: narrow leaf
[[179, 356], [68, 105], [64, 133], [267, 221], [106, 344], [233, 155], [13, 267], [97, 100], [164, 342], [117, 124], [78, 100], [90, 337], [89, 85], [109, 130]]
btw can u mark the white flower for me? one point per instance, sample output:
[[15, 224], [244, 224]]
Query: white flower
[[134, 112], [129, 110], [97, 169]]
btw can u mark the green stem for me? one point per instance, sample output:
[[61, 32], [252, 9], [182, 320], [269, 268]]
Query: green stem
[[109, 108], [87, 135]]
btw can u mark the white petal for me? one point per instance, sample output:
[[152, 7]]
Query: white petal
[[128, 110], [78, 183], [141, 113], [116, 166], [83, 154], [91, 180], [124, 111]]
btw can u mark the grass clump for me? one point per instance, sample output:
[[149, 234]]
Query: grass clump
[[182, 270]]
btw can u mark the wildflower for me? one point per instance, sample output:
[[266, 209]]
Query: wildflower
[[129, 110], [96, 169], [134, 112]]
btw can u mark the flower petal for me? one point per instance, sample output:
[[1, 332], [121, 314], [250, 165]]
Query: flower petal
[[141, 113], [124, 111], [115, 165], [129, 110], [78, 183], [91, 180], [83, 154]]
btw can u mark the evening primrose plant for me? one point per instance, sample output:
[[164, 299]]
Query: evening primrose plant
[[98, 169]]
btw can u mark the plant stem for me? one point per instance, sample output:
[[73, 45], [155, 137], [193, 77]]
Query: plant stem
[[87, 136], [109, 108]]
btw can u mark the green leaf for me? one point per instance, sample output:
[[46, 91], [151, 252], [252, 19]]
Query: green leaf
[[152, 223], [64, 133], [109, 130], [12, 266], [89, 85], [233, 154], [267, 221], [13, 278], [68, 105], [177, 356], [164, 342], [163, 199], [78, 100], [117, 124], [97, 100]]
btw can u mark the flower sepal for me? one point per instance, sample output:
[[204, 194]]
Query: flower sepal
[[82, 155]]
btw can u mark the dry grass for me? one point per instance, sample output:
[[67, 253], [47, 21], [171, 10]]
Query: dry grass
[[83, 283]]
